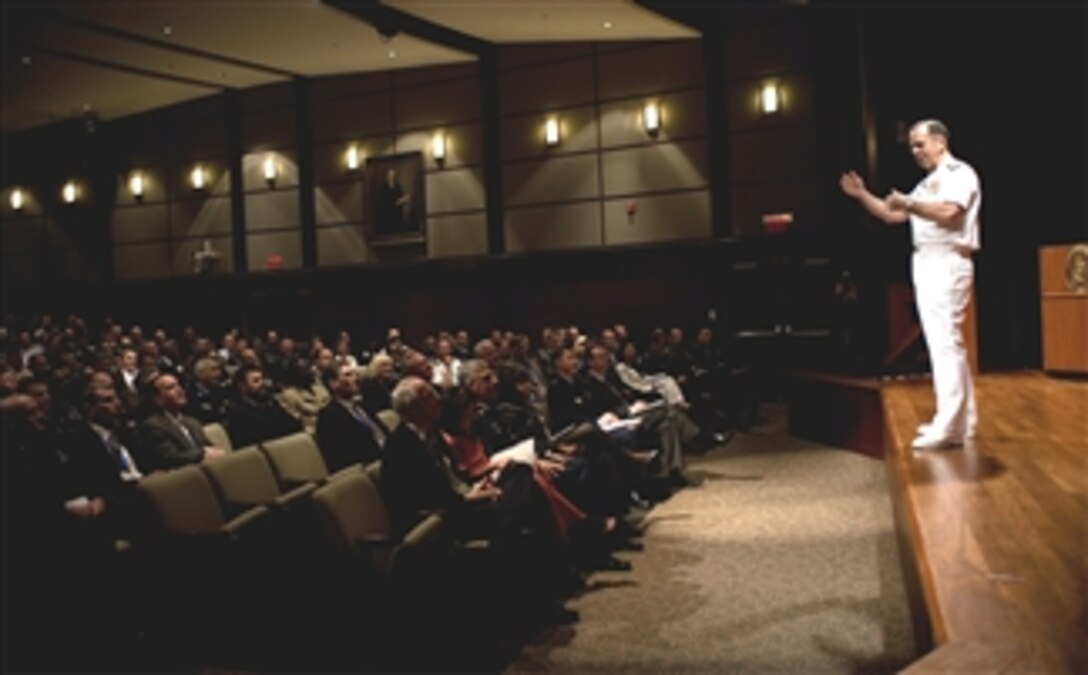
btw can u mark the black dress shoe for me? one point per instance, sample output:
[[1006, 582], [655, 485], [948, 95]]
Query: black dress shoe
[[678, 479], [627, 545], [627, 530], [611, 564], [558, 614]]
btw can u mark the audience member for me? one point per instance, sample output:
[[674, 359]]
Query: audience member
[[254, 414], [346, 433], [169, 438]]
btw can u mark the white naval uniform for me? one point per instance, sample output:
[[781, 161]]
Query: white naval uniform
[[943, 274]]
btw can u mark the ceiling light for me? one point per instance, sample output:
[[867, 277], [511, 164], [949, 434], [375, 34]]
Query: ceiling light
[[136, 185], [438, 148], [352, 157], [551, 132], [26, 60], [770, 101], [69, 192], [270, 170], [607, 25], [199, 177], [392, 53], [651, 119], [167, 29], [17, 200]]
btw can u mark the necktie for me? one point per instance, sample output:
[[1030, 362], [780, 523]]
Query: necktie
[[185, 432], [117, 452], [361, 417], [357, 413]]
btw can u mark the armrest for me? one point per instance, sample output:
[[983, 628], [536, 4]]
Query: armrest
[[244, 520], [374, 540]]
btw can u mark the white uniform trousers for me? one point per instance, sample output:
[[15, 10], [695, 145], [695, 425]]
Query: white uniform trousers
[[942, 288]]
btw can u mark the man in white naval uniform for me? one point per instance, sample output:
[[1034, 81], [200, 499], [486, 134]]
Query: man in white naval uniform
[[943, 212]]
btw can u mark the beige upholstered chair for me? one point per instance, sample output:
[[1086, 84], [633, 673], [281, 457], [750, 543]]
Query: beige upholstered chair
[[357, 522], [389, 418], [296, 460], [182, 502], [218, 435], [244, 479]]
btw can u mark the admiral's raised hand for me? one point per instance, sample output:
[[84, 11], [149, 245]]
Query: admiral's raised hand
[[852, 184]]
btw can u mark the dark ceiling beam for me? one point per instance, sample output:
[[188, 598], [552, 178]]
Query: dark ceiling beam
[[389, 21], [126, 68], [66, 20]]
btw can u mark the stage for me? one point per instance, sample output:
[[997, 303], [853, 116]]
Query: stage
[[994, 535]]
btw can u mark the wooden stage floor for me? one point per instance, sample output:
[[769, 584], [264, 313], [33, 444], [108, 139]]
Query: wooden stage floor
[[996, 531]]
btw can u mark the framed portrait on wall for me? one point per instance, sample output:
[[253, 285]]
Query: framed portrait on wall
[[395, 197]]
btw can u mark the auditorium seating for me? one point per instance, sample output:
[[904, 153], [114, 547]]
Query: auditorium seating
[[244, 479], [296, 460], [389, 418], [202, 564], [218, 435]]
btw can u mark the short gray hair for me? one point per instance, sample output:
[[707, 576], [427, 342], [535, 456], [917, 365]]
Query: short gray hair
[[934, 127], [471, 371], [406, 393], [204, 364], [483, 347]]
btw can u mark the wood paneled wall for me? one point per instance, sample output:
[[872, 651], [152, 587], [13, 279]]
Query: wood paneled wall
[[607, 182]]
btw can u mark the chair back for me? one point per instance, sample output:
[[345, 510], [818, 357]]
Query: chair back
[[296, 460], [355, 516], [218, 436], [242, 479], [389, 418], [182, 501]]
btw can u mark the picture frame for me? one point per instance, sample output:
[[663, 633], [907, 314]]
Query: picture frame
[[395, 198]]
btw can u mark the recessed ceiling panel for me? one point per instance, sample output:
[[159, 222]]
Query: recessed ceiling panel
[[49, 89], [547, 20], [302, 37]]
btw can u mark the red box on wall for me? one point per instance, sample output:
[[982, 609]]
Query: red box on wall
[[774, 223]]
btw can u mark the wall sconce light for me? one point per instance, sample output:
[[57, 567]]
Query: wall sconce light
[[651, 119], [69, 192], [18, 200], [136, 185], [199, 177], [352, 157], [770, 100], [270, 170], [551, 132], [438, 148]]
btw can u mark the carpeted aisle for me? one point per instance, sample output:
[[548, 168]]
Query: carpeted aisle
[[784, 560]]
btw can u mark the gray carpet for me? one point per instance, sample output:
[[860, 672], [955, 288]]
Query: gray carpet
[[783, 560]]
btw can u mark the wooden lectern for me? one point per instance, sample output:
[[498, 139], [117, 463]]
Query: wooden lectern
[[1063, 284]]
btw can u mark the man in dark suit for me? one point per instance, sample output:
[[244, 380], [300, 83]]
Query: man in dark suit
[[417, 478], [169, 438], [207, 400], [346, 433], [570, 405], [254, 415], [416, 475], [99, 461], [662, 426]]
